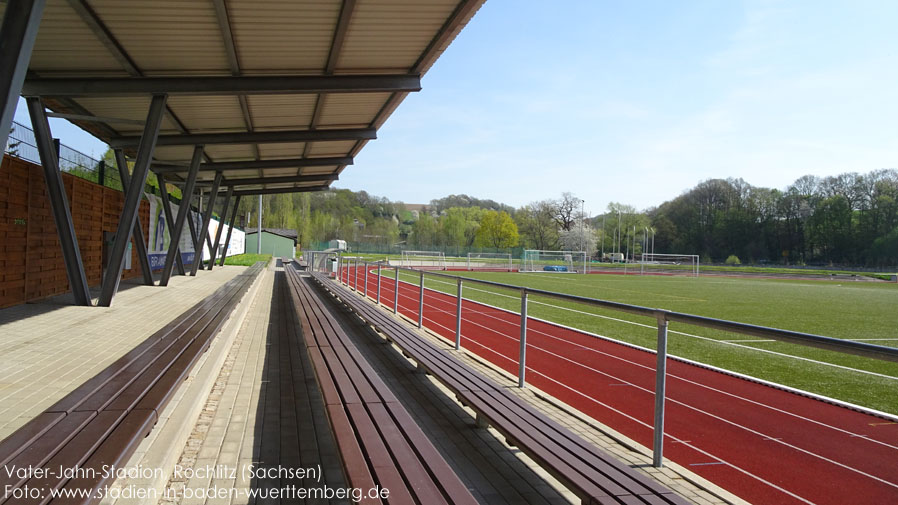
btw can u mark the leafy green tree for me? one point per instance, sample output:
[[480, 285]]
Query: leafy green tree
[[498, 230]]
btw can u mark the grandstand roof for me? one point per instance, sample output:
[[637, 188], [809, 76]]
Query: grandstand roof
[[283, 94]]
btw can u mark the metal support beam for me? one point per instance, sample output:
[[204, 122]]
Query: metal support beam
[[221, 224], [254, 181], [21, 19], [522, 353], [660, 396], [275, 191], [170, 222], [221, 85], [174, 231], [203, 231], [132, 201], [59, 204], [276, 137], [224, 254], [140, 242], [224, 166]]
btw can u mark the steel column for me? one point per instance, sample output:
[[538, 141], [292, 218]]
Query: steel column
[[378, 283], [166, 206], [224, 254], [365, 273], [132, 201], [174, 231], [137, 233], [660, 396], [396, 293], [59, 204], [221, 225], [421, 302], [21, 19], [202, 233], [522, 359], [458, 316]]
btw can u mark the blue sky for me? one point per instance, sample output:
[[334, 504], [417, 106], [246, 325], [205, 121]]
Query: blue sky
[[637, 101]]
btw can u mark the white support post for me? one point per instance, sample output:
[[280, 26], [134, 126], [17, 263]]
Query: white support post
[[421, 302], [396, 293], [458, 316]]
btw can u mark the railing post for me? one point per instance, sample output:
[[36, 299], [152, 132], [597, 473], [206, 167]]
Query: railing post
[[421, 302], [522, 357], [365, 273], [356, 274], [660, 384], [458, 317], [378, 283], [396, 293]]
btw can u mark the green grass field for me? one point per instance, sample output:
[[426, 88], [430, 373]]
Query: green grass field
[[247, 260], [849, 310]]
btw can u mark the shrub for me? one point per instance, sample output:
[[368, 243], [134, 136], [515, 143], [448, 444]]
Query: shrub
[[732, 259]]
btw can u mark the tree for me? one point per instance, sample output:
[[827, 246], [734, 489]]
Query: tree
[[498, 230], [579, 239], [537, 225], [566, 210]]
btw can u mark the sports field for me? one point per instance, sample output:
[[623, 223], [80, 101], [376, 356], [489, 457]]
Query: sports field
[[863, 311]]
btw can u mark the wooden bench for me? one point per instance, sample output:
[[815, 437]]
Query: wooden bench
[[104, 419], [593, 475], [379, 442]]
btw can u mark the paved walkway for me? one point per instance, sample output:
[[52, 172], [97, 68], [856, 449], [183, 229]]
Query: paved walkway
[[49, 348], [242, 422]]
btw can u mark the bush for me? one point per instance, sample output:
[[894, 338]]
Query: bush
[[732, 259]]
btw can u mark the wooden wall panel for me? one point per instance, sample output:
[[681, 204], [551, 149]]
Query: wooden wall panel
[[31, 263]]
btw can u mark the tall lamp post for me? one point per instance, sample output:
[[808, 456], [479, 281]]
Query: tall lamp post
[[618, 231], [582, 217], [603, 237]]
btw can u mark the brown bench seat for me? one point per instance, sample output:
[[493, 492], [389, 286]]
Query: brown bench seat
[[379, 442], [593, 475], [103, 420]]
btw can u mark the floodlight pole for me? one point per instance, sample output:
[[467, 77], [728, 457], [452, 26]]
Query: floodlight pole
[[618, 231], [582, 217], [603, 237], [645, 243]]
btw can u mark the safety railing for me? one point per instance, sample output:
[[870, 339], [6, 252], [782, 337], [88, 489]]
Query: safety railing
[[353, 273]]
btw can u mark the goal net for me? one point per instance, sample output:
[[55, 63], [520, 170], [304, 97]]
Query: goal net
[[490, 261], [554, 261], [671, 264], [424, 260]]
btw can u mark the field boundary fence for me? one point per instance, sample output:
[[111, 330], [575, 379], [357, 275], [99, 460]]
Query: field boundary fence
[[349, 271]]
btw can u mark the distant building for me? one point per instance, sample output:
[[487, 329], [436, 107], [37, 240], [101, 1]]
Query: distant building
[[278, 242]]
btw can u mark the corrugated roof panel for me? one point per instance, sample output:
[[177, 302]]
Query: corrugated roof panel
[[166, 35], [252, 172], [318, 170], [208, 113], [64, 43], [281, 111], [391, 34], [279, 172], [348, 110], [340, 148], [285, 150], [274, 36], [173, 153], [225, 152], [128, 107]]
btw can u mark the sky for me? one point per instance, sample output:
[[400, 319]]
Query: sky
[[637, 101]]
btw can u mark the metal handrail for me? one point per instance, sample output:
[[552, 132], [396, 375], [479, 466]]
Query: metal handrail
[[794, 337], [662, 317]]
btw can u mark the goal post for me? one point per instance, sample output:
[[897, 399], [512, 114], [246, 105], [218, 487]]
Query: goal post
[[671, 264], [424, 260], [535, 260], [490, 261]]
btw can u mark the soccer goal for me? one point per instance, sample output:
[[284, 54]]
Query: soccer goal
[[671, 264], [424, 260], [490, 261], [554, 261]]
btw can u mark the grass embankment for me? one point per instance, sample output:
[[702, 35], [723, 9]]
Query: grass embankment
[[247, 260], [848, 310]]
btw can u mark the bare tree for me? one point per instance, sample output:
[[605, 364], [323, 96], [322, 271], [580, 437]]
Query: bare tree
[[566, 210]]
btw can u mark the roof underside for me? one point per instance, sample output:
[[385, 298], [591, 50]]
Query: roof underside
[[282, 94]]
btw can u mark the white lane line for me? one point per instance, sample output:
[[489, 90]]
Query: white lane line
[[696, 409], [705, 386], [724, 342], [746, 341]]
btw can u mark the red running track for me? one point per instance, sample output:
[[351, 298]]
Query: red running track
[[763, 444]]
